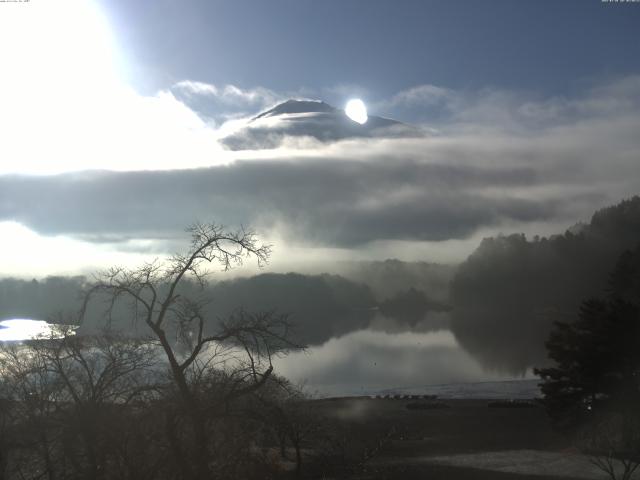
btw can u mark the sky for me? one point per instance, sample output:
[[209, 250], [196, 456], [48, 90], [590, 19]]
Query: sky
[[381, 47], [519, 116]]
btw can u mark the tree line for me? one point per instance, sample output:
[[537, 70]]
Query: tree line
[[511, 289]]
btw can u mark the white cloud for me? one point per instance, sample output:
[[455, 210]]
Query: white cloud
[[27, 254], [230, 95], [422, 95], [197, 88], [110, 127], [523, 111], [64, 107]]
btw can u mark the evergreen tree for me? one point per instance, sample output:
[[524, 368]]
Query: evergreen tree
[[597, 358]]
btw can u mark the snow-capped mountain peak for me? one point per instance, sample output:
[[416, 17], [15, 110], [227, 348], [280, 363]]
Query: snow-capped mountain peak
[[313, 119], [298, 106]]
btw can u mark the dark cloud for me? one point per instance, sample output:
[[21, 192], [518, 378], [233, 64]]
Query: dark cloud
[[326, 202]]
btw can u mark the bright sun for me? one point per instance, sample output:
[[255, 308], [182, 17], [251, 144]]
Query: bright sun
[[356, 110], [59, 75]]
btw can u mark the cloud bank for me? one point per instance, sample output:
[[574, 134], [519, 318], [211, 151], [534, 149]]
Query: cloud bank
[[337, 202], [494, 161]]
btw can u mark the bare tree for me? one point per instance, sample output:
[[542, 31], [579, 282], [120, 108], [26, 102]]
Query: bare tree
[[612, 443], [30, 394], [211, 362], [66, 393], [284, 410]]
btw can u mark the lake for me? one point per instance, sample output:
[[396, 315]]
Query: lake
[[18, 329], [362, 362]]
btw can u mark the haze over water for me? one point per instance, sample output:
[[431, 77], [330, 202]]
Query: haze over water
[[361, 362]]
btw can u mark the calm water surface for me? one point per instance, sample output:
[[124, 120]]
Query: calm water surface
[[361, 362]]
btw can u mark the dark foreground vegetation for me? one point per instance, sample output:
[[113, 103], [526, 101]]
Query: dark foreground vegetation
[[268, 435], [593, 390]]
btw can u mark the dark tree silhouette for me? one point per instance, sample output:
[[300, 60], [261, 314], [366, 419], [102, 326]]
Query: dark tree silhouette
[[596, 362], [507, 294], [67, 398], [593, 390], [212, 364]]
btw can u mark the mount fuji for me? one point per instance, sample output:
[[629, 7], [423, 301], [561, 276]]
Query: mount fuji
[[312, 119]]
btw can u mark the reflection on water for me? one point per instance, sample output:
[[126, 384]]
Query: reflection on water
[[18, 329], [382, 358], [370, 361]]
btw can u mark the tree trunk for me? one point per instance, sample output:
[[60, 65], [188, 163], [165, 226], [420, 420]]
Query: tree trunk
[[298, 458], [3, 462], [175, 445]]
